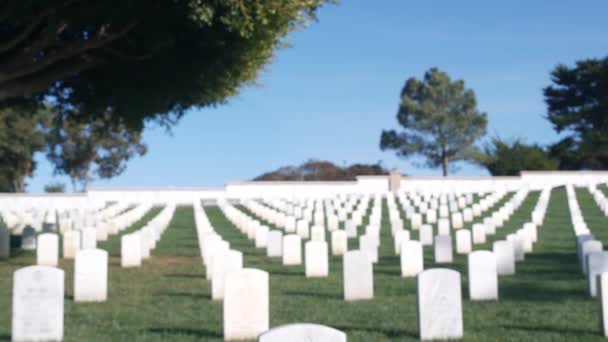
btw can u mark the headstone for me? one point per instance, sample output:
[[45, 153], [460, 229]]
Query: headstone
[[358, 276], [246, 304], [47, 251], [91, 276], [89, 238], [130, 250], [351, 228], [602, 289], [412, 258], [597, 263], [479, 233], [443, 249], [439, 305], [229, 261], [274, 244], [261, 237], [28, 238], [71, 243], [443, 226], [463, 241], [292, 250], [317, 233], [586, 248], [518, 246], [483, 279], [457, 221], [303, 332], [369, 245], [426, 235], [339, 242], [316, 259], [38, 295], [416, 221], [505, 257], [400, 237], [302, 229]]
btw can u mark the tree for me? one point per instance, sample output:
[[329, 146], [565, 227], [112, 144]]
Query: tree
[[578, 107], [22, 134], [502, 158], [54, 187], [84, 151], [142, 59], [320, 170], [440, 121]]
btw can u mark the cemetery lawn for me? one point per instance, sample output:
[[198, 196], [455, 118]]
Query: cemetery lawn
[[168, 298]]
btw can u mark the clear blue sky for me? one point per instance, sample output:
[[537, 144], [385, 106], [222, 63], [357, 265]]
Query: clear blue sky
[[330, 95]]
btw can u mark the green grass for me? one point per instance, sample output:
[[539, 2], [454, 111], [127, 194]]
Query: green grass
[[168, 299]]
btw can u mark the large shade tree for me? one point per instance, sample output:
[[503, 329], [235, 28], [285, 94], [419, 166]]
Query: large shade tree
[[578, 108], [439, 119], [139, 59]]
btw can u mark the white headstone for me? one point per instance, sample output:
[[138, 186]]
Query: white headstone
[[302, 229], [261, 237], [602, 289], [586, 248], [505, 257], [479, 233], [317, 233], [439, 305], [316, 259], [483, 279], [91, 276], [412, 258], [229, 261], [443, 249], [400, 237], [89, 238], [38, 293], [292, 250], [597, 263], [246, 304], [369, 244], [71, 243], [426, 235], [303, 332], [47, 251], [463, 241], [274, 244], [443, 226], [130, 250], [358, 276], [339, 242]]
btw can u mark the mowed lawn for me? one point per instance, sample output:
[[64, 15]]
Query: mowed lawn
[[168, 298]]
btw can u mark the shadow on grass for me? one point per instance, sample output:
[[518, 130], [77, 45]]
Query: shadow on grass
[[191, 276], [313, 295], [539, 293], [388, 332], [199, 333], [185, 295], [5, 337], [577, 332]]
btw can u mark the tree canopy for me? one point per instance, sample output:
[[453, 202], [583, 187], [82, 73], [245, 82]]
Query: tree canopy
[[22, 135], [85, 150], [320, 170], [139, 59], [578, 107], [439, 118], [502, 158]]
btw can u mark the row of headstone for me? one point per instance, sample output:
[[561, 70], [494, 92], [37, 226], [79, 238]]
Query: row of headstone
[[136, 246]]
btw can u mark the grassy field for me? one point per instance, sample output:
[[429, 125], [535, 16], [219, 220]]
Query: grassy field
[[168, 299]]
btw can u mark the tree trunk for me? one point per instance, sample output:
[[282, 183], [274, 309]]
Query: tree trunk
[[444, 165]]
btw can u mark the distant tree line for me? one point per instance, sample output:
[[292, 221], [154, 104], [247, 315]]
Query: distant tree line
[[320, 170]]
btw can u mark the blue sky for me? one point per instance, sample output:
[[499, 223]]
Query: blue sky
[[336, 88]]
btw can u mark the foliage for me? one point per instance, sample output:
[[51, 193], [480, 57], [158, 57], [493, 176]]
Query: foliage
[[502, 158], [439, 118], [578, 107], [54, 187], [22, 134], [142, 59], [319, 170], [85, 150]]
